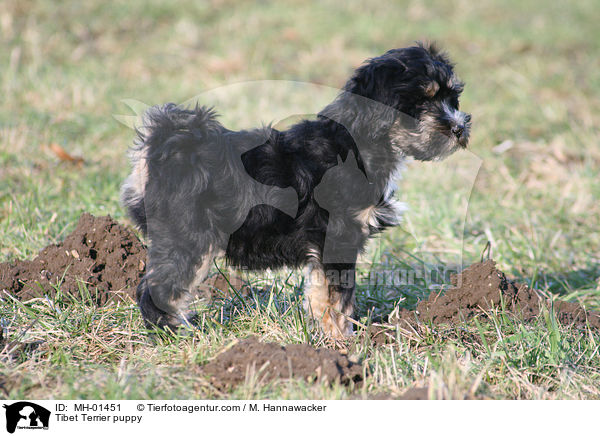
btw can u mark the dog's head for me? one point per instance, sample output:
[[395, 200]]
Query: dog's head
[[415, 96]]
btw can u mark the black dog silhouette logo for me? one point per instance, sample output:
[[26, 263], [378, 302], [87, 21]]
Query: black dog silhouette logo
[[26, 415]]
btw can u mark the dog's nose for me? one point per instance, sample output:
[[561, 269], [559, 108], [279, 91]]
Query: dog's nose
[[458, 130]]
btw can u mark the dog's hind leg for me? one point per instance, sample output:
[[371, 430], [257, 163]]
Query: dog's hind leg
[[165, 294], [330, 296]]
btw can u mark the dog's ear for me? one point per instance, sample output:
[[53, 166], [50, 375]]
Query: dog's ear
[[376, 83], [370, 79]]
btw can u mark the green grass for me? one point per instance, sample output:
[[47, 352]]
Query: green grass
[[533, 77]]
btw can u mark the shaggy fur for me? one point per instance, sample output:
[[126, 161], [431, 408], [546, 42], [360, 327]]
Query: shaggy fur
[[308, 196]]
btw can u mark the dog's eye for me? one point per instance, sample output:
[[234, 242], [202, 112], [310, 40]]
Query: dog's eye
[[431, 89]]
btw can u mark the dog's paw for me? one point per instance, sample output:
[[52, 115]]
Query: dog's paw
[[335, 325], [155, 317]]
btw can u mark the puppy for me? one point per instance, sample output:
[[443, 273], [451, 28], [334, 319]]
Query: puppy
[[310, 196]]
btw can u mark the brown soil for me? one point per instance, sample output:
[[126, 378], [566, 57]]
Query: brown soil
[[269, 361], [100, 252], [481, 287], [415, 394]]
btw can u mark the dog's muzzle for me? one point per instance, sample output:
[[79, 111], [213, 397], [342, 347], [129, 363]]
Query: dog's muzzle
[[460, 127]]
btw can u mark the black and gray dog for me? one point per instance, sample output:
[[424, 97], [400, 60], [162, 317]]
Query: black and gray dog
[[309, 196]]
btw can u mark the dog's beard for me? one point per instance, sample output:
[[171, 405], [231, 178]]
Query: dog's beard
[[429, 137]]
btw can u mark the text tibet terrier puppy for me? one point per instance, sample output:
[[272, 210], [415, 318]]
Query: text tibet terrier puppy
[[308, 196]]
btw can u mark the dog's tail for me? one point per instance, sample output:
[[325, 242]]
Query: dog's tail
[[160, 123]]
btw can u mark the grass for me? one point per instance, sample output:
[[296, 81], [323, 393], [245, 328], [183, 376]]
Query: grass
[[533, 78]]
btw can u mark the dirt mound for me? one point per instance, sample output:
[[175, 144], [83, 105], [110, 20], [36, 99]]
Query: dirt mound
[[100, 252], [269, 361], [481, 287], [415, 394]]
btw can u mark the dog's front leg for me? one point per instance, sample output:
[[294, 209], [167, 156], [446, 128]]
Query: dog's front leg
[[165, 293], [329, 296]]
